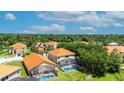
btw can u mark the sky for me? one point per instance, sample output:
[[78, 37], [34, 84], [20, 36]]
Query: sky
[[62, 22]]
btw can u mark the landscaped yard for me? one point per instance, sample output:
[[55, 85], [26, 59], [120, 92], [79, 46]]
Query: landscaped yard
[[5, 53], [75, 75], [79, 76], [111, 77], [69, 76], [22, 70]]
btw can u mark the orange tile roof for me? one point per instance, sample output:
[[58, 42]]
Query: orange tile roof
[[7, 69], [61, 52], [118, 48], [18, 45], [52, 43], [34, 59]]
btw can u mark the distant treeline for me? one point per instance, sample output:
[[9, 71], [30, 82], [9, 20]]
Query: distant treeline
[[29, 39]]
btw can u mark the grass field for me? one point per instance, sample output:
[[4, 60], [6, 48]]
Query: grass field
[[69, 76], [22, 70]]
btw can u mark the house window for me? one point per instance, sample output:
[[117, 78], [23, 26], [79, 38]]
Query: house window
[[5, 78], [35, 71], [58, 58], [66, 56], [46, 72], [19, 54], [18, 71], [14, 51]]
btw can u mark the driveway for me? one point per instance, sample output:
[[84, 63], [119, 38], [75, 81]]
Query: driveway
[[5, 60]]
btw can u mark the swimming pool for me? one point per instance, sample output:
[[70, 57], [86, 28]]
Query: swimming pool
[[69, 68], [45, 77]]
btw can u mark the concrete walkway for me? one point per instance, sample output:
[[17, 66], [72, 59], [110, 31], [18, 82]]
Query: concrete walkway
[[5, 60]]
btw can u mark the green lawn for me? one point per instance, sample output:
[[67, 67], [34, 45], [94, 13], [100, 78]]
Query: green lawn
[[69, 76], [5, 53], [111, 77], [22, 70], [79, 76]]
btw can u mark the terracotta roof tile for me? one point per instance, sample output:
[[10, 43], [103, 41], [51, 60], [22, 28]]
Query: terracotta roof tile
[[61, 52], [7, 69], [118, 48], [18, 45], [52, 43], [33, 60]]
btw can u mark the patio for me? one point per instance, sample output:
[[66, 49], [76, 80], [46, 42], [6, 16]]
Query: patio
[[44, 73], [68, 64]]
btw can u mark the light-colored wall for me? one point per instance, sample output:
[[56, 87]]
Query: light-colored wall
[[65, 57], [11, 50], [55, 46], [56, 59]]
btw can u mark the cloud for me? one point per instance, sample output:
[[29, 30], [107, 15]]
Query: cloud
[[60, 16], [9, 16], [45, 29], [117, 25], [115, 14], [29, 32], [53, 27], [95, 19], [88, 29]]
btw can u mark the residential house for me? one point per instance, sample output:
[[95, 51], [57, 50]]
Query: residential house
[[18, 49], [8, 72], [52, 44], [39, 67], [113, 44], [119, 50], [40, 46], [65, 59]]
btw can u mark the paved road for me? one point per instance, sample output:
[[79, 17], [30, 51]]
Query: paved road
[[5, 60]]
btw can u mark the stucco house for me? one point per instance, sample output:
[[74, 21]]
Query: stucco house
[[8, 72], [40, 47], [52, 44], [65, 59], [113, 44], [18, 49], [39, 67], [119, 50]]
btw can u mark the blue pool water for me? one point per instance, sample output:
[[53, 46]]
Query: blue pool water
[[70, 68], [45, 77]]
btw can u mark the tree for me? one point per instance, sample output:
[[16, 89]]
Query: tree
[[93, 58], [114, 62], [94, 63]]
